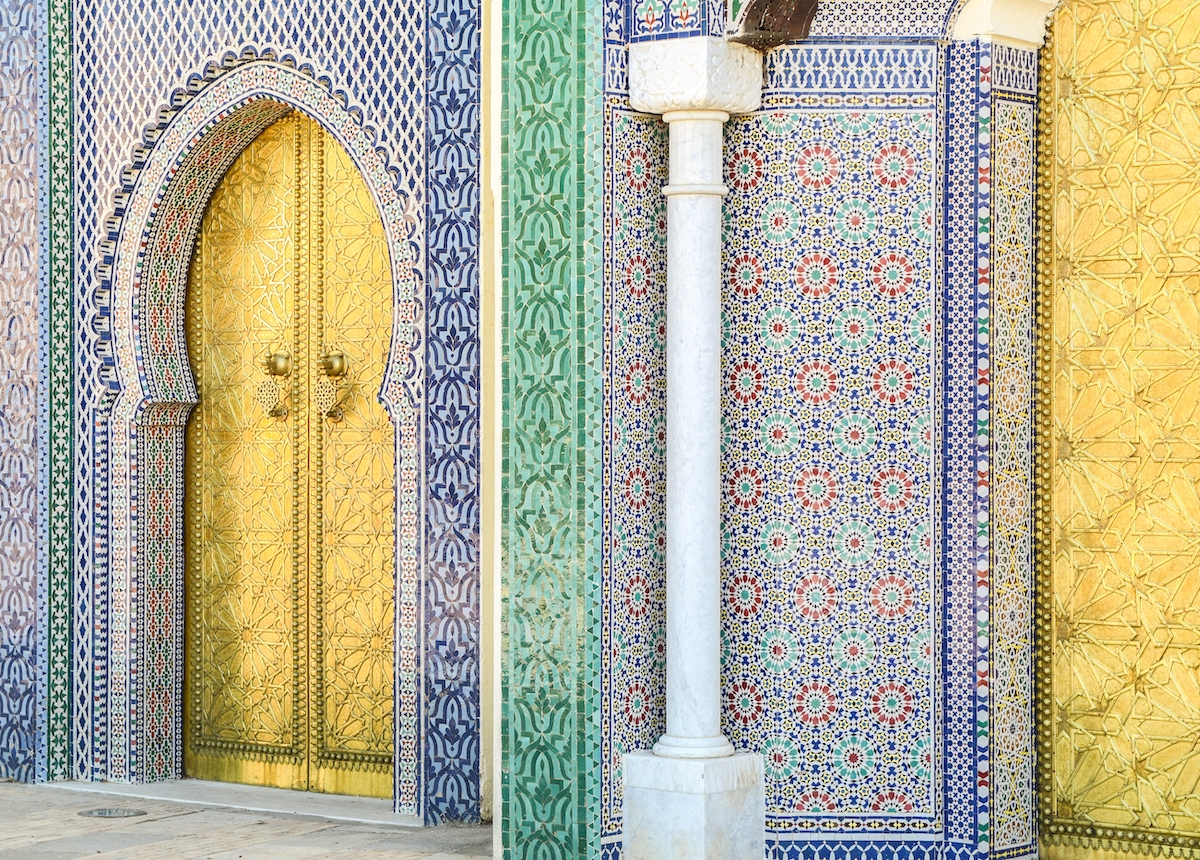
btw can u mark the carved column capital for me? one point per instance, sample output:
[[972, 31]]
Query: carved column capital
[[1021, 23], [696, 73]]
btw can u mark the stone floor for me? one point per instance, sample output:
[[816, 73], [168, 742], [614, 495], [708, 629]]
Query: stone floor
[[43, 823]]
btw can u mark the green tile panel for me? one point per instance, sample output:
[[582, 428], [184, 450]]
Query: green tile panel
[[552, 389]]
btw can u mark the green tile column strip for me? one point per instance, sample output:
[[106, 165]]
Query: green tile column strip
[[552, 390], [61, 376]]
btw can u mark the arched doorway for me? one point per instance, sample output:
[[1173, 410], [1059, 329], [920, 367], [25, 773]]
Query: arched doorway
[[290, 476], [1119, 447]]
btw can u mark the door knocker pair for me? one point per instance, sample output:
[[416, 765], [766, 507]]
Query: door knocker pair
[[328, 400]]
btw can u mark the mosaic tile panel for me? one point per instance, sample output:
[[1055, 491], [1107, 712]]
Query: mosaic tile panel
[[159, 745], [1012, 765], [848, 850], [777, 443], [989, 289], [616, 40], [666, 19], [654, 20], [452, 513], [836, 19], [634, 655], [1014, 70], [57, 254], [829, 504], [551, 351], [22, 405], [965, 452], [875, 71], [922, 18]]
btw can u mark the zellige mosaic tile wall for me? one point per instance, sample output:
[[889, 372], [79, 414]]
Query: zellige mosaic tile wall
[[964, 446], [859, 633], [633, 660], [850, 194], [829, 503], [22, 396], [1014, 78], [383, 60], [989, 289]]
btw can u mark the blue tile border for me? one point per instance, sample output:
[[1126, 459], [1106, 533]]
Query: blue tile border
[[452, 662]]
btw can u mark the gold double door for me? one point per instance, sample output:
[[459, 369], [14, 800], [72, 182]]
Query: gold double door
[[1119, 464], [290, 486]]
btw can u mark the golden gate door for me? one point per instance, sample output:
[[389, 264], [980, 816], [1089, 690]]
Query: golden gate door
[[290, 497], [1119, 453]]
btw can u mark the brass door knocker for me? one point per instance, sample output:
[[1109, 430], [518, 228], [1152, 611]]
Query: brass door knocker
[[328, 400], [269, 394]]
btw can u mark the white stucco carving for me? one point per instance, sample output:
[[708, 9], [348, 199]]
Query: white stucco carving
[[696, 73], [1021, 23]]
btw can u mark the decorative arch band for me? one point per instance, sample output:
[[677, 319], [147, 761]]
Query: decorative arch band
[[164, 189]]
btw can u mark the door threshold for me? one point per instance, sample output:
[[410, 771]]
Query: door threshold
[[254, 798]]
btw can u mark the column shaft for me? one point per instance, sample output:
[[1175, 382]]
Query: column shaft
[[694, 437]]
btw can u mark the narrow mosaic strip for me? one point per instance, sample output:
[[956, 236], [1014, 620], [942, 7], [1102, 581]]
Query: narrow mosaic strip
[[880, 18], [634, 645], [23, 408], [1014, 70], [961, 443], [451, 757], [43, 395], [980, 408], [551, 351], [656, 20], [1012, 468], [60, 533], [886, 69], [818, 849]]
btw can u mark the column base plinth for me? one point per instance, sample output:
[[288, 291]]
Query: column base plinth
[[715, 747], [694, 809]]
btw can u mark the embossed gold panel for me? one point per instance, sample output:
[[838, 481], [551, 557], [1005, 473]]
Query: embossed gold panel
[[290, 523], [1120, 444]]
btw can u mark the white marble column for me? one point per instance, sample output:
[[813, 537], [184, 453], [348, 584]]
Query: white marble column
[[693, 797], [694, 438]]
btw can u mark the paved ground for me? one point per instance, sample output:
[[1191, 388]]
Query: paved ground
[[43, 823]]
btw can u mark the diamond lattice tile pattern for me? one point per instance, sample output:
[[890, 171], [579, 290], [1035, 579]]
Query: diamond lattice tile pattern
[[880, 18]]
